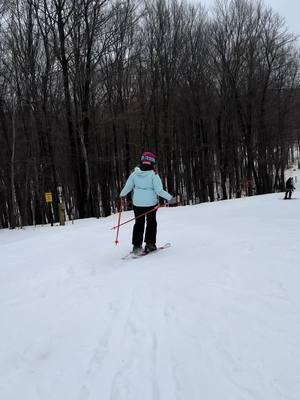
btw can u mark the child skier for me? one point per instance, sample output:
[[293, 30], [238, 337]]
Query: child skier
[[289, 187], [146, 186]]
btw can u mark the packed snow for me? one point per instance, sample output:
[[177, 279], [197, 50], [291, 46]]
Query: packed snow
[[215, 317]]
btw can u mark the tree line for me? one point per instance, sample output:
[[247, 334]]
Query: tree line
[[87, 85]]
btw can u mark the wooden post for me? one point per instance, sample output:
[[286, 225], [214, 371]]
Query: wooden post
[[48, 199], [61, 206], [61, 213]]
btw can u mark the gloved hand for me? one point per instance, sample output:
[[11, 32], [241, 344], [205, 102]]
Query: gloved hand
[[126, 203], [172, 202]]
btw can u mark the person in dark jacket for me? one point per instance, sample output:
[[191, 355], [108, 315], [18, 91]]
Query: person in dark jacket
[[289, 187], [146, 186]]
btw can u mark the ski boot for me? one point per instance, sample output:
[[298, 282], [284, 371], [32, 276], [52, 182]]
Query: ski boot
[[137, 250], [150, 247]]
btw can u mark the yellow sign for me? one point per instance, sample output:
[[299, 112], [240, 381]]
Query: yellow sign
[[48, 197]]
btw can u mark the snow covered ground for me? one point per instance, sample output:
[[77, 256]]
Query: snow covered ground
[[214, 317]]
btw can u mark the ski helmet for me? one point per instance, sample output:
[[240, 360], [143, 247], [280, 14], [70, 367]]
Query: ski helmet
[[148, 158]]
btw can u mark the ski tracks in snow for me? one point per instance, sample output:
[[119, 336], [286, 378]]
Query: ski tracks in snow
[[132, 359], [105, 356]]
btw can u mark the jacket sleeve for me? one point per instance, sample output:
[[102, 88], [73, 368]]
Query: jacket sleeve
[[158, 188], [128, 186]]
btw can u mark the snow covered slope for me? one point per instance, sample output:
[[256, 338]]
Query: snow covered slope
[[214, 317]]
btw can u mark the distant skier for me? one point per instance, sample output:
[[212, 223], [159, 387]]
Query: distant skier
[[146, 186], [289, 187]]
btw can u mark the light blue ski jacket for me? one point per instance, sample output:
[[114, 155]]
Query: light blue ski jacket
[[146, 187]]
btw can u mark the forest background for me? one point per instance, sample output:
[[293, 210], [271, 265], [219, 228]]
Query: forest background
[[87, 85]]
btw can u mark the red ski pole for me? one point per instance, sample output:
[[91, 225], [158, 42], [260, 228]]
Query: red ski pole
[[132, 219], [119, 220]]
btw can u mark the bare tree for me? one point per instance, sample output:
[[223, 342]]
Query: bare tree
[[86, 85]]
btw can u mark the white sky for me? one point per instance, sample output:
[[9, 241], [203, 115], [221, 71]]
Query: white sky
[[289, 9]]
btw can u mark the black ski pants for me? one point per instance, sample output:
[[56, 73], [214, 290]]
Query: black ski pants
[[139, 226], [288, 194]]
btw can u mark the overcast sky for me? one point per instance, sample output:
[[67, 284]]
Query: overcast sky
[[289, 9]]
